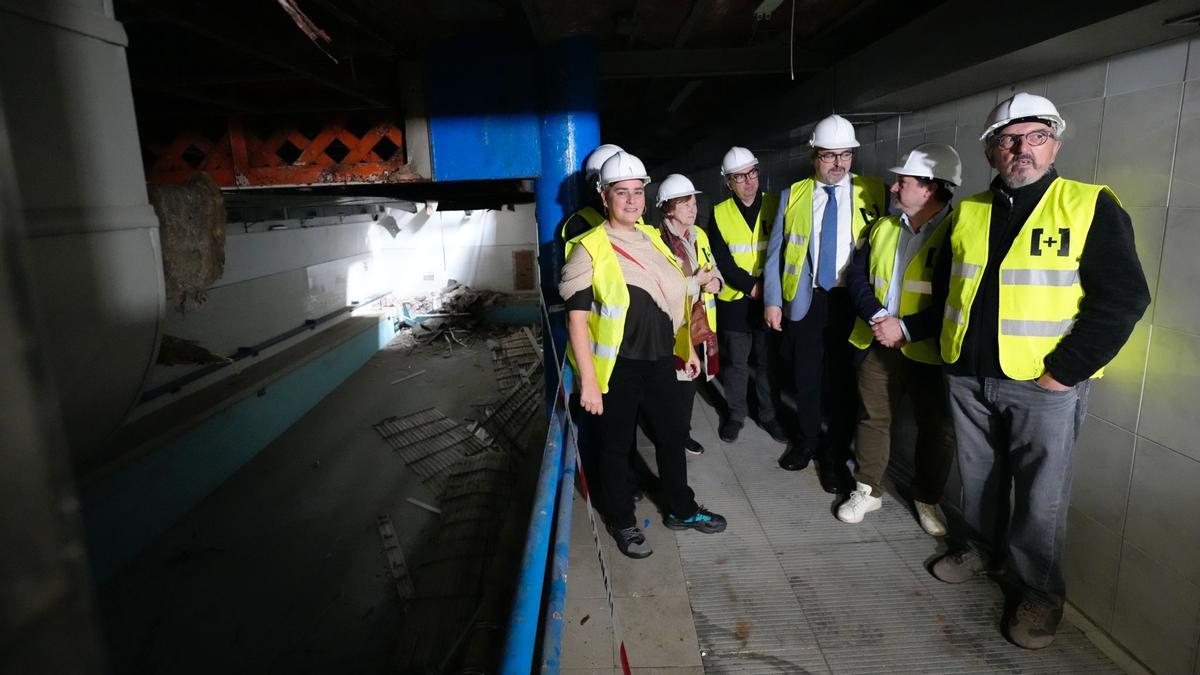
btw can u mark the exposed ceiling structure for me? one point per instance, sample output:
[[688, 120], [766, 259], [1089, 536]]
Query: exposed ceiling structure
[[669, 69], [677, 77]]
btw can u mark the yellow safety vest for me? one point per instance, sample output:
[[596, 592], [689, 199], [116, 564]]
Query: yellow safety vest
[[917, 292], [747, 245], [703, 257], [591, 215], [866, 206], [1039, 277], [610, 301]]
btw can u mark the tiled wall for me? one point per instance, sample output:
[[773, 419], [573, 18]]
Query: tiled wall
[[1133, 542]]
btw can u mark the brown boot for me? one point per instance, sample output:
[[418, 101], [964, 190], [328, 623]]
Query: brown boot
[[1032, 624]]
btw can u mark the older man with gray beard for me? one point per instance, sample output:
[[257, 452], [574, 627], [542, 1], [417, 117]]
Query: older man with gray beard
[[1042, 287]]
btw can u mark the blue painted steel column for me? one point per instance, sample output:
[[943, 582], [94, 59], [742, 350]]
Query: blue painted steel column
[[570, 129]]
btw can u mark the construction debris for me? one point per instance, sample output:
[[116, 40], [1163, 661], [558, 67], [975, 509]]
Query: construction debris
[[515, 356], [408, 377], [191, 220], [396, 565], [455, 307], [430, 444], [423, 505]]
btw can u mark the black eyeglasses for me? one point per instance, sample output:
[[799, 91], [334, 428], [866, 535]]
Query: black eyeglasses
[[1033, 138], [828, 157], [743, 177]]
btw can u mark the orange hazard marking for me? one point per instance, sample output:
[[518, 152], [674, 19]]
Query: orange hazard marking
[[283, 155]]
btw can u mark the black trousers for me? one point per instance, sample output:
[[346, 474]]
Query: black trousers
[[648, 388], [824, 376]]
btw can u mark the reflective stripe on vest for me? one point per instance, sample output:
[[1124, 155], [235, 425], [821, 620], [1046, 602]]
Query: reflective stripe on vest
[[916, 287], [1039, 291], [610, 301], [747, 243], [866, 205]]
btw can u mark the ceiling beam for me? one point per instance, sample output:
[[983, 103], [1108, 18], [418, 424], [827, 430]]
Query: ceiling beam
[[692, 63]]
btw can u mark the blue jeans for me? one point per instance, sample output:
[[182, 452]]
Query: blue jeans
[[1017, 439]]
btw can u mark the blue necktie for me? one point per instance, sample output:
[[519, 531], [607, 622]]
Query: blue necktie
[[827, 258]]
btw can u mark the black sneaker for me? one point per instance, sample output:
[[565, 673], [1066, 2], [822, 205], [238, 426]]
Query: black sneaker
[[702, 521], [774, 429], [729, 431], [693, 446], [631, 541]]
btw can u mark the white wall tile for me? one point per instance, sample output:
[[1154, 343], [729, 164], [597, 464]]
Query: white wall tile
[[1116, 396], [1103, 459], [1185, 179], [947, 135], [1193, 65], [1081, 142], [1163, 508], [1146, 68], [1157, 613], [865, 133], [1035, 86], [886, 156], [887, 128], [1090, 564], [972, 113], [1137, 141], [941, 116], [1176, 302], [912, 123], [1077, 84], [976, 172], [1172, 390]]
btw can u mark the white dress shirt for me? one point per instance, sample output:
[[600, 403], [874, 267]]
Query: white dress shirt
[[845, 241]]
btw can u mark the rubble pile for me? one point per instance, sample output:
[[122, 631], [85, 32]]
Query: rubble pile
[[457, 307]]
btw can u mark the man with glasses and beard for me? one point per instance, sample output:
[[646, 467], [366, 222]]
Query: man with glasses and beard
[[1039, 288]]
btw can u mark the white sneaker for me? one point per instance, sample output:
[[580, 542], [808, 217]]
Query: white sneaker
[[931, 519], [858, 505]]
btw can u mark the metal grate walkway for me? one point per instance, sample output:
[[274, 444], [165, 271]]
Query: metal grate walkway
[[790, 589]]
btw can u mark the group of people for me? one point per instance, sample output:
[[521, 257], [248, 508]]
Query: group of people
[[989, 314]]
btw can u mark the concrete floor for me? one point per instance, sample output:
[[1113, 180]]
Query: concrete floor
[[281, 569], [788, 588]]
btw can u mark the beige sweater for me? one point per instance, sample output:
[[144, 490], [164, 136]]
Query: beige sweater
[[659, 277]]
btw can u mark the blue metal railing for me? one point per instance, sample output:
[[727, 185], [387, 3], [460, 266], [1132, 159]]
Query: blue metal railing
[[551, 514]]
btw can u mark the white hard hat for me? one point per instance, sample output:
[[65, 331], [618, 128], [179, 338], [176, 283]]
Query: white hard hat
[[834, 131], [737, 159], [621, 166], [1020, 106], [675, 185], [932, 160], [596, 159]]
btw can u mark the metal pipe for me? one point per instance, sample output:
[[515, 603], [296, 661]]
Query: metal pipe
[[552, 634]]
